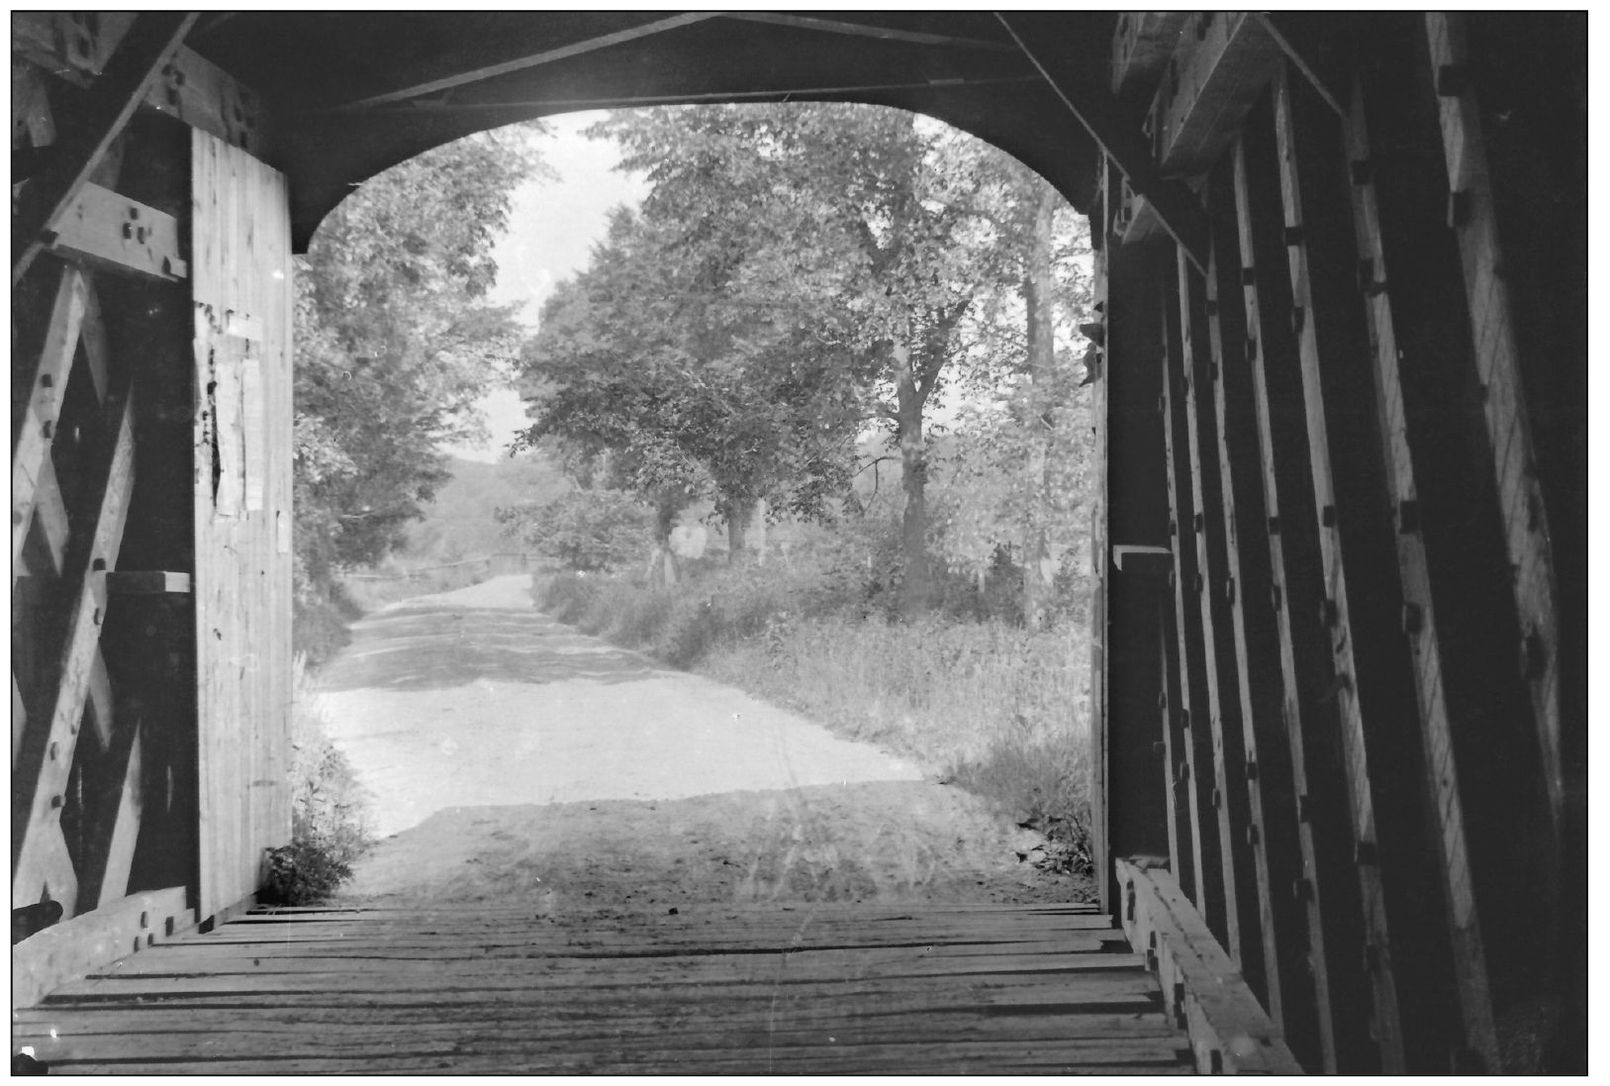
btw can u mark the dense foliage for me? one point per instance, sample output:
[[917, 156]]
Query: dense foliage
[[799, 274], [395, 339]]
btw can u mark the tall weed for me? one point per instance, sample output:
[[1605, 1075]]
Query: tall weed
[[327, 807], [997, 709]]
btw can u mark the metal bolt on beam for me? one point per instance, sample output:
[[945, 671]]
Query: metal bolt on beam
[[1408, 516], [1327, 516], [1252, 770], [1274, 525], [1249, 276], [1293, 235], [1229, 591], [1361, 170], [1299, 317], [1196, 522], [1329, 613], [1252, 834], [1364, 852]]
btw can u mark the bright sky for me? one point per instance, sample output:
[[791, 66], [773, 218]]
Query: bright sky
[[551, 233]]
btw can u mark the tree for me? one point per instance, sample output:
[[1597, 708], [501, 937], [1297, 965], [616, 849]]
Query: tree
[[865, 210], [395, 340], [1032, 430], [695, 379]]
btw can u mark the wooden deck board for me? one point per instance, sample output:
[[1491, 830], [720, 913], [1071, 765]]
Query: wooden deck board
[[711, 989]]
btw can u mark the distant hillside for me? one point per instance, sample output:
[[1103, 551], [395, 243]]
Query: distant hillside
[[460, 522]]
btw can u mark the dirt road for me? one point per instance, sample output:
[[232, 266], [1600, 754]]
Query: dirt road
[[511, 759]]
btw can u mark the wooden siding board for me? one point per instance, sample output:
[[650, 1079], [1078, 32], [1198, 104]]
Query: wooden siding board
[[241, 281], [1326, 884], [1387, 1020], [1469, 959], [1493, 330], [1242, 906], [1294, 953], [1188, 700]]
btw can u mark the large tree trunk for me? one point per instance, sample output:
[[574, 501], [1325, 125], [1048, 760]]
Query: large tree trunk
[[916, 587], [1038, 303], [738, 515], [662, 571]]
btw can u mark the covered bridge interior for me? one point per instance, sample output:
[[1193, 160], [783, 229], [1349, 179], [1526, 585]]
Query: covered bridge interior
[[1340, 668]]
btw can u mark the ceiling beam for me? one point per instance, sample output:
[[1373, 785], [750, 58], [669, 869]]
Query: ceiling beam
[[434, 105], [134, 66], [867, 30], [1096, 111], [547, 56]]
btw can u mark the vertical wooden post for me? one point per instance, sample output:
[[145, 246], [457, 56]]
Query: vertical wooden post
[[1329, 888], [1138, 811], [1421, 617], [1208, 890], [1215, 586], [1292, 928]]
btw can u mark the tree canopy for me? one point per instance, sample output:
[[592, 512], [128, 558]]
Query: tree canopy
[[395, 339]]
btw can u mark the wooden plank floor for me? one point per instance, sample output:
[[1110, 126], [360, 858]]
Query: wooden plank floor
[[709, 989]]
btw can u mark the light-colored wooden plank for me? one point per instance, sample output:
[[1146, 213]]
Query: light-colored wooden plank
[[19, 719], [125, 828], [1229, 1031], [31, 449], [120, 234], [75, 946]]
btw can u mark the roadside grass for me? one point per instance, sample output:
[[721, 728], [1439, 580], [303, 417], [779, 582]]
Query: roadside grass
[[993, 708], [328, 832]]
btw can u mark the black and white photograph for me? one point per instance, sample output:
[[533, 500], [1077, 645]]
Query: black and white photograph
[[835, 542]]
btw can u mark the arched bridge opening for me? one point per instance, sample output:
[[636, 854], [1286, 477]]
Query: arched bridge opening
[[1341, 655]]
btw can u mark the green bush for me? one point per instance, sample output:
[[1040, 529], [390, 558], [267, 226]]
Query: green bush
[[327, 808]]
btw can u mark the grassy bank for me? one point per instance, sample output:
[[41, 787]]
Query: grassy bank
[[993, 708]]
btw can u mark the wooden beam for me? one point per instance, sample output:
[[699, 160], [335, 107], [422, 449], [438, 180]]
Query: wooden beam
[[1292, 927], [534, 60], [120, 234], [1229, 1032], [868, 30], [1097, 113], [147, 583], [1525, 514], [39, 785], [67, 951], [1211, 587], [1188, 701], [191, 88], [31, 449], [118, 860], [1142, 43], [1420, 613], [1327, 886], [149, 44], [1285, 37], [1223, 62]]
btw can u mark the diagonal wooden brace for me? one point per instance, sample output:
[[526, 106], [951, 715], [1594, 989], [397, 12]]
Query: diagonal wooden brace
[[149, 44]]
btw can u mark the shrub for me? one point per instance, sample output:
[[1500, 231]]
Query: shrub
[[327, 808], [585, 530]]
